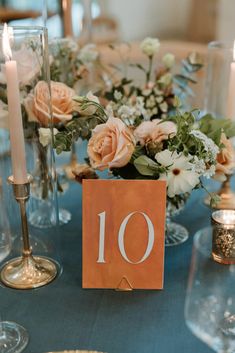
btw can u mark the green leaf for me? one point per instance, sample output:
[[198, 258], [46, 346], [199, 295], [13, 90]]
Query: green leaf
[[177, 102], [146, 166], [139, 151], [212, 127], [215, 199], [183, 79], [125, 81], [139, 66]]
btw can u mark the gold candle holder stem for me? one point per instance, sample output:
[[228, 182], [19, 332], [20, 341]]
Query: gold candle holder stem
[[25, 232], [21, 194], [225, 187], [27, 271]]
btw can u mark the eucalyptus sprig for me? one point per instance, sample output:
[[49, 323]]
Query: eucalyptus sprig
[[78, 127]]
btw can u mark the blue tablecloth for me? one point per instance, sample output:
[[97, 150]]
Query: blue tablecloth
[[63, 316]]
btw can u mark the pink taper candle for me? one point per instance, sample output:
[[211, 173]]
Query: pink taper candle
[[231, 89], [15, 116]]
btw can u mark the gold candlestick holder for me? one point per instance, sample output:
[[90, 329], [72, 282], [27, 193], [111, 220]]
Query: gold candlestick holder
[[26, 271]]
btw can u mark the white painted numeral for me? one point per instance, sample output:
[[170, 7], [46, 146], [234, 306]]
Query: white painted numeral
[[121, 235], [150, 238], [102, 237]]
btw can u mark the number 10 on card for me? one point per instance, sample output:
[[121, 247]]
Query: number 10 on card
[[123, 233]]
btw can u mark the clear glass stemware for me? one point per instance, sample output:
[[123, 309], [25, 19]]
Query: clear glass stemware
[[210, 300], [13, 337]]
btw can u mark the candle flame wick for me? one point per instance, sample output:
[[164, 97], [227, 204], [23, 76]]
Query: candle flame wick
[[6, 48]]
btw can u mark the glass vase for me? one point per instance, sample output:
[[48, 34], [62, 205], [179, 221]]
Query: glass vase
[[220, 102], [175, 233], [42, 214]]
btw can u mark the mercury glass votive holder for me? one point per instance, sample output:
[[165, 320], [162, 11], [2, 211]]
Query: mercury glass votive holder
[[223, 236]]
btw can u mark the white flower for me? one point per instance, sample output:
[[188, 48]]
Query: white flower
[[179, 177], [146, 92], [117, 95], [109, 109], [198, 165], [125, 112], [150, 46], [151, 102], [209, 172], [208, 143], [163, 106], [168, 60], [57, 44], [45, 135], [88, 54], [140, 110]]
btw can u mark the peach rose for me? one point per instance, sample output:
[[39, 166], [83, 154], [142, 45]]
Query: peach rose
[[224, 159], [111, 145], [154, 131], [37, 105]]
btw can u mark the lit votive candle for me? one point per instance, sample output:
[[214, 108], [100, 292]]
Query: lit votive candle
[[223, 238]]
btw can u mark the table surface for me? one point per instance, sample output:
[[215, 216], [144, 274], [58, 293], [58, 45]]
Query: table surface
[[63, 316]]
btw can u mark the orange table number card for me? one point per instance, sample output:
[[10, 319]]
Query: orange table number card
[[123, 234]]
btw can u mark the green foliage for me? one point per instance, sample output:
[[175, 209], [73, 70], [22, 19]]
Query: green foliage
[[77, 127], [213, 127], [190, 66], [146, 166], [215, 199]]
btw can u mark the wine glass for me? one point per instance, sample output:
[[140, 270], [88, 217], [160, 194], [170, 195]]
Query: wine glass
[[210, 299]]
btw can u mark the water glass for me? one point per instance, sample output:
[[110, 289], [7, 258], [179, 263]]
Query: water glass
[[210, 300]]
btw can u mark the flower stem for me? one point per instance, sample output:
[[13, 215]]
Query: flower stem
[[148, 74]]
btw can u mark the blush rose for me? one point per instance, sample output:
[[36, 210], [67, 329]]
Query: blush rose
[[154, 131], [111, 145], [37, 103]]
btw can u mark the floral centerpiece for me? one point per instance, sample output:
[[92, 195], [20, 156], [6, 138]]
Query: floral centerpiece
[[179, 149], [143, 132]]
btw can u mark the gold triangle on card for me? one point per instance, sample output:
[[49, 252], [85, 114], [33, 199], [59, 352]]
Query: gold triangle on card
[[124, 285]]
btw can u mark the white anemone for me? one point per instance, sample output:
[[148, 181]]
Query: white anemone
[[180, 178]]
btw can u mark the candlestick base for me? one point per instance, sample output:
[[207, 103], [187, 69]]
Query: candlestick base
[[28, 272]]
